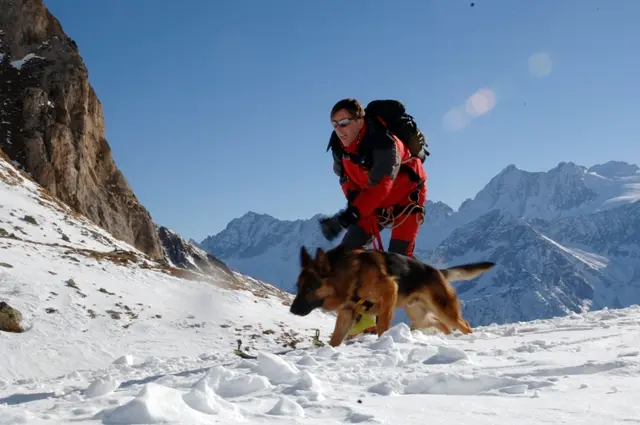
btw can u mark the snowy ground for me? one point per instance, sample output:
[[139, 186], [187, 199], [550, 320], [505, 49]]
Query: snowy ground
[[112, 342], [85, 305], [583, 369]]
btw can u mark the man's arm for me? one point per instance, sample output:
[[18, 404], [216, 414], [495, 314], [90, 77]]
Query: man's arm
[[385, 166], [347, 186]]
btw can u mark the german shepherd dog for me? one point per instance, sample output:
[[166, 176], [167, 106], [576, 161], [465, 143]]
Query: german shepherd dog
[[347, 281]]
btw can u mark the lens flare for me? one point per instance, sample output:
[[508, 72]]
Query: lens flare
[[540, 65]]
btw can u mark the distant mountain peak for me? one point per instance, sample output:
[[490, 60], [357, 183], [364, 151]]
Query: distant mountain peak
[[509, 169], [539, 194], [253, 216], [567, 167], [614, 169], [439, 205]]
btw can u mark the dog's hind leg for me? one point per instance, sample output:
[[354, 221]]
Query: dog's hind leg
[[344, 322], [418, 314], [421, 318]]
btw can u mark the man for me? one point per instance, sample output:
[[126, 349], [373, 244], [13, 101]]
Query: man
[[383, 183]]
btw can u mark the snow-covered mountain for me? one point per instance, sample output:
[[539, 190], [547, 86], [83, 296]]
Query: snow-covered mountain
[[265, 247], [564, 240], [107, 336], [567, 189]]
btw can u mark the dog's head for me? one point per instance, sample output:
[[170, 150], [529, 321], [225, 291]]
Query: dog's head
[[312, 287]]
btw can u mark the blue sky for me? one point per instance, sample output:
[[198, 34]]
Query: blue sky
[[216, 108]]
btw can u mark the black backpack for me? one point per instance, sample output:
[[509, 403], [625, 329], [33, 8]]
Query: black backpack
[[400, 123]]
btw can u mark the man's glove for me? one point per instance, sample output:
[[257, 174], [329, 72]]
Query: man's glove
[[332, 226]]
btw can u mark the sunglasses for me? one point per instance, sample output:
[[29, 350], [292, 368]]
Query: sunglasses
[[342, 123]]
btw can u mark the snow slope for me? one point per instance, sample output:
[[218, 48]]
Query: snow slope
[[87, 299], [581, 369], [112, 338]]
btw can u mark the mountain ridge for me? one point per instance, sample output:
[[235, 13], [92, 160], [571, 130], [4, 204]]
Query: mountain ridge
[[530, 223]]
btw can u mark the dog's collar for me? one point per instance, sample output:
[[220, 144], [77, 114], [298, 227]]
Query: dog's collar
[[362, 302]]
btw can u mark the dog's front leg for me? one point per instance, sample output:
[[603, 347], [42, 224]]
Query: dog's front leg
[[344, 322], [386, 312]]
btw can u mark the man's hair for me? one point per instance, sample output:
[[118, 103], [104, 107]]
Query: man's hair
[[352, 106]]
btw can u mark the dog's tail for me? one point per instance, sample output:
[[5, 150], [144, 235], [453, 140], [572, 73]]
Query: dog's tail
[[466, 271]]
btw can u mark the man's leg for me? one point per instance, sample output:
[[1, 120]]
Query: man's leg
[[355, 237], [406, 227], [359, 235]]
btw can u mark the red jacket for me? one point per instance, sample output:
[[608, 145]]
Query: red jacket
[[377, 170]]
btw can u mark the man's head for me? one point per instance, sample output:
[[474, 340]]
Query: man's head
[[347, 118]]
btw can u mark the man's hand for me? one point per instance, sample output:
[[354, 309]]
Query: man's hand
[[332, 226]]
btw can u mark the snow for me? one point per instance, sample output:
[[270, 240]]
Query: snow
[[41, 219], [590, 259], [169, 358], [18, 64], [583, 368]]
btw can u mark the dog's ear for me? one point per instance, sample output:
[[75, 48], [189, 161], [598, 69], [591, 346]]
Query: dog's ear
[[305, 259], [322, 261]]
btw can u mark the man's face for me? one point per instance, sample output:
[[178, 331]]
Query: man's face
[[346, 127]]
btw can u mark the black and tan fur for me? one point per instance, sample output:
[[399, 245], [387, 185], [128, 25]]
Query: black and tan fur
[[336, 279]]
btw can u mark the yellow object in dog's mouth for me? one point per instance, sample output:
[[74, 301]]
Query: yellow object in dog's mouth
[[365, 322]]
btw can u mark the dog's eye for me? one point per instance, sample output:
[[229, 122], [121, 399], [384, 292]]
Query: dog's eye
[[441, 301]]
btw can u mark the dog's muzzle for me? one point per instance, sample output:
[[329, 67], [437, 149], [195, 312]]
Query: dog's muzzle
[[302, 307]]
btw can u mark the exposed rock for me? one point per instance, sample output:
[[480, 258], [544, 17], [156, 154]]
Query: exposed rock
[[186, 255], [10, 318], [52, 125]]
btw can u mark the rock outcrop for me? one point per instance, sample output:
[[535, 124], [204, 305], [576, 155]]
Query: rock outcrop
[[10, 319], [185, 255], [52, 126]]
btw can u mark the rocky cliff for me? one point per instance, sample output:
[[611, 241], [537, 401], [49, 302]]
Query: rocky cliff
[[52, 126]]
